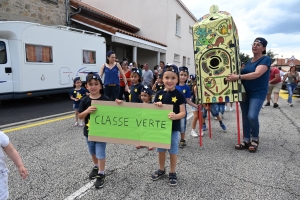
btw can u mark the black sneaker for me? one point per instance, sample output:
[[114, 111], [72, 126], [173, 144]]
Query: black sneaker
[[275, 105], [182, 144], [100, 179], [158, 174], [93, 173], [173, 179], [267, 104]]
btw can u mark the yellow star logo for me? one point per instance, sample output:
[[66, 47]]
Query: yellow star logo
[[183, 91], [160, 97], [160, 87], [88, 125], [79, 96], [174, 99], [74, 92], [135, 90]]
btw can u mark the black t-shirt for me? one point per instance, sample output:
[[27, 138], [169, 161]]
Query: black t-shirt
[[159, 87], [84, 104], [135, 91], [174, 98]]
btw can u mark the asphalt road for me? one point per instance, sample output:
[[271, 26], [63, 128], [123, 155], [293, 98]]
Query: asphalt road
[[58, 162], [17, 110]]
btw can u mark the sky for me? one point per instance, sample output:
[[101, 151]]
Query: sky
[[278, 21]]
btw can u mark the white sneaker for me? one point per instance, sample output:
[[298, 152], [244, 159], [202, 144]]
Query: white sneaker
[[80, 123], [225, 108], [76, 124], [230, 109], [193, 133], [215, 117]]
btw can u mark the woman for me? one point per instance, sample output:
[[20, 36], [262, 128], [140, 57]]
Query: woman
[[127, 73], [111, 71], [293, 78], [255, 79]]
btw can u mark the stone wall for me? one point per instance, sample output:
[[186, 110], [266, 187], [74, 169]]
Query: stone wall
[[47, 12]]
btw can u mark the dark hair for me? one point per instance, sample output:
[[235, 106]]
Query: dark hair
[[108, 54], [93, 76], [279, 68], [155, 67], [162, 62]]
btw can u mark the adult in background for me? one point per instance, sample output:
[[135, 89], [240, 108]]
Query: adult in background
[[111, 70], [274, 85], [254, 76], [147, 76], [293, 78], [127, 73], [161, 67]]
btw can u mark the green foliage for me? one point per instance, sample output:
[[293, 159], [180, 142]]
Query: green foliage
[[271, 55], [244, 57]]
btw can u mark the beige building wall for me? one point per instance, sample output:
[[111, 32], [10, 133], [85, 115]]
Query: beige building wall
[[47, 12], [157, 21]]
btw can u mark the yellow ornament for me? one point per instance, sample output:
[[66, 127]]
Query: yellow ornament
[[183, 91], [79, 96], [160, 97], [135, 90], [174, 99], [88, 125]]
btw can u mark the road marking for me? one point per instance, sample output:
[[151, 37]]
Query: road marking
[[285, 95], [37, 124], [83, 190]]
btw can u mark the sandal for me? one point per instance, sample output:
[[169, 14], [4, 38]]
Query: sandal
[[158, 174], [242, 146], [173, 179], [253, 146], [139, 147], [150, 148]]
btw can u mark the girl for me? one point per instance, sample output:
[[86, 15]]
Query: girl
[[76, 96], [158, 85], [293, 78], [111, 70], [170, 95], [12, 153], [185, 89], [96, 149], [146, 97], [127, 73], [136, 86]]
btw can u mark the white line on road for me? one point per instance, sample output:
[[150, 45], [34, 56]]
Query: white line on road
[[83, 190]]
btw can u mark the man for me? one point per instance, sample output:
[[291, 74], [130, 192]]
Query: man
[[147, 76], [274, 85]]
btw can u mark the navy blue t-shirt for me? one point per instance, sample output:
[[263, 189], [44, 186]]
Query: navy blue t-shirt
[[78, 94], [175, 98], [135, 91], [257, 88]]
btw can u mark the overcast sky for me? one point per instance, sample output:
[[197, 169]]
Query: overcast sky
[[278, 21]]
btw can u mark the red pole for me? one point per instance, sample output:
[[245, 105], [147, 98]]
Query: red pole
[[209, 123], [200, 124], [238, 122]]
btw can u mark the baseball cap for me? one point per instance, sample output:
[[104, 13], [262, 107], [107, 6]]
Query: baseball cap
[[76, 79], [171, 67], [184, 69], [147, 90], [263, 41]]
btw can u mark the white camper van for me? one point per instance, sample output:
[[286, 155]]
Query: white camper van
[[38, 60]]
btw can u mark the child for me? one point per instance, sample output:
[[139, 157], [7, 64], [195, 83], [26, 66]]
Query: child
[[97, 149], [194, 109], [158, 85], [221, 110], [136, 86], [146, 97], [170, 95], [12, 153], [76, 96], [214, 109], [230, 109], [185, 89]]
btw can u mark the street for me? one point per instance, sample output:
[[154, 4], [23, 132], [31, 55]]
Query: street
[[56, 156]]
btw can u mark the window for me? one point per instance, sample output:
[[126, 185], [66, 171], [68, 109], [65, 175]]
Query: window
[[178, 25], [190, 29], [176, 57], [89, 57], [188, 61], [38, 53], [3, 56]]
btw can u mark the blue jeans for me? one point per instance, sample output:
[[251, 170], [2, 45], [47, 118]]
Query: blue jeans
[[97, 148], [112, 92], [250, 111], [174, 144], [291, 88]]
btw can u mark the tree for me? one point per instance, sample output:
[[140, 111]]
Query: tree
[[244, 57], [271, 55]]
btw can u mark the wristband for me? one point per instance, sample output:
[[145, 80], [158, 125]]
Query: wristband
[[126, 83]]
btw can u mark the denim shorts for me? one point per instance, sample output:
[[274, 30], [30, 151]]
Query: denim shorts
[[174, 144], [183, 125], [75, 106], [97, 148], [214, 109], [194, 109]]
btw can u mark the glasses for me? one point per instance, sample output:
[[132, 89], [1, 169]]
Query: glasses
[[256, 44]]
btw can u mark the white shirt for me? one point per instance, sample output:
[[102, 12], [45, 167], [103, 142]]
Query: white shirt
[[4, 141]]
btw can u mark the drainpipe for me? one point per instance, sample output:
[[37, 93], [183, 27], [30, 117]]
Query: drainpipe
[[79, 10], [67, 5]]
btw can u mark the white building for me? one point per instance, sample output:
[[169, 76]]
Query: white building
[[142, 31]]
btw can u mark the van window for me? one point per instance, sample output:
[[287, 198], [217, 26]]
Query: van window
[[3, 56], [89, 57], [38, 53]]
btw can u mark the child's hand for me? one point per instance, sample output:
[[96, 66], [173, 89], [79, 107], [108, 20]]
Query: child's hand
[[118, 101], [76, 99], [23, 172], [159, 104], [172, 116], [91, 109]]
